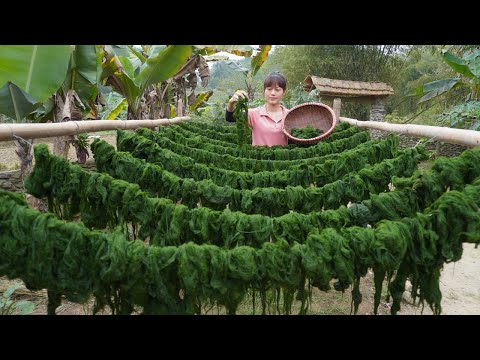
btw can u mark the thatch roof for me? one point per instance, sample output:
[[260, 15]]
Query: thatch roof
[[346, 88]]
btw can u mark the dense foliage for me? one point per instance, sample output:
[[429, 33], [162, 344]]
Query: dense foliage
[[169, 237]]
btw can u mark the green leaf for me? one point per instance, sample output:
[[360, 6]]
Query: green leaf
[[440, 84], [164, 65], [129, 89], [99, 54], [235, 65], [457, 64], [117, 109], [119, 50], [200, 99], [438, 87], [155, 50], [138, 54], [204, 50], [127, 66], [37, 69], [473, 62], [83, 72], [44, 109], [25, 307], [11, 290], [86, 62], [16, 103], [260, 58], [414, 92]]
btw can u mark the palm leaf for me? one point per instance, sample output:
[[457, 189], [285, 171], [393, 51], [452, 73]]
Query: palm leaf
[[16, 103], [260, 58], [457, 64], [117, 109], [438, 87], [163, 66], [38, 70], [200, 99]]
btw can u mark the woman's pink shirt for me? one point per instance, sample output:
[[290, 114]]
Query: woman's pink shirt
[[265, 130]]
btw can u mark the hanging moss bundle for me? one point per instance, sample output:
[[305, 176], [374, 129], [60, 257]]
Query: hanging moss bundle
[[289, 152], [196, 139], [187, 167], [66, 258], [102, 200], [230, 162], [241, 118], [159, 182], [307, 132]]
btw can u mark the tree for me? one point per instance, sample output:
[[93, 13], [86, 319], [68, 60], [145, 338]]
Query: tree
[[249, 72], [31, 74], [137, 81], [343, 62], [155, 81], [467, 70]]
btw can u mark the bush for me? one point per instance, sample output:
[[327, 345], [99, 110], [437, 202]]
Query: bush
[[464, 116], [296, 95]]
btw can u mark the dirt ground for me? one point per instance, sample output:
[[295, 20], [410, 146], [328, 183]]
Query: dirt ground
[[9, 159], [459, 282]]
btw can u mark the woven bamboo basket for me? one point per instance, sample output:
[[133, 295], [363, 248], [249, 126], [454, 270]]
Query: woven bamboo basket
[[320, 116]]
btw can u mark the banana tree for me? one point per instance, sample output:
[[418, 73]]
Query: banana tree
[[73, 76], [137, 83], [168, 97], [257, 61], [468, 70], [186, 78], [79, 94], [30, 75]]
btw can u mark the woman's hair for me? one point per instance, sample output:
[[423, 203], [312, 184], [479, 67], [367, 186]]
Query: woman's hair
[[275, 78]]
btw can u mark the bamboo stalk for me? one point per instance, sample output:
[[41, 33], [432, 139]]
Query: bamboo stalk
[[445, 134], [35, 131]]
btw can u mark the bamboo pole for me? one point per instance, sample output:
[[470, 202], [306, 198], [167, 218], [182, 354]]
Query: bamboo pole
[[445, 134], [337, 105], [35, 131]]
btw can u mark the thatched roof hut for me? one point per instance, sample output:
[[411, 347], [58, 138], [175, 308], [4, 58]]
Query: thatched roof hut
[[371, 93], [347, 88]]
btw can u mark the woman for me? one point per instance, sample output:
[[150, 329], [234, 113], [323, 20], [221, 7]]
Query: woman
[[266, 121]]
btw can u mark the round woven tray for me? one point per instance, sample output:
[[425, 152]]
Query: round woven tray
[[320, 116]]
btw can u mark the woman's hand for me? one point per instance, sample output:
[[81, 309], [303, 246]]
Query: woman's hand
[[233, 100]]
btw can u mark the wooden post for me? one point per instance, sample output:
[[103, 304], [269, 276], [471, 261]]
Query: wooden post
[[337, 104], [180, 107]]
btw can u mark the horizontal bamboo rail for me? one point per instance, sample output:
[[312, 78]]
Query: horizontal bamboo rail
[[445, 134], [36, 131]]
